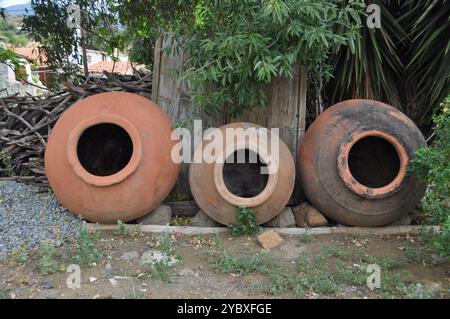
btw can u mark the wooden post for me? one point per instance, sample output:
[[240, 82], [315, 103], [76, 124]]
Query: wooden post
[[301, 110], [83, 50], [157, 68]]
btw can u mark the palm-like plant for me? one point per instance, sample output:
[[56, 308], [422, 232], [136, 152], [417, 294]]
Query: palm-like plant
[[427, 70], [406, 63]]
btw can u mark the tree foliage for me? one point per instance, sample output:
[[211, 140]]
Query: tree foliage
[[54, 25], [10, 58], [10, 34], [144, 19], [109, 26], [238, 47]]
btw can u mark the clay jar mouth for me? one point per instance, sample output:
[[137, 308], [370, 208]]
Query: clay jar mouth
[[372, 164], [104, 150], [247, 189]]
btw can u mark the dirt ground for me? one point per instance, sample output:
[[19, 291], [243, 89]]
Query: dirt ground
[[213, 266]]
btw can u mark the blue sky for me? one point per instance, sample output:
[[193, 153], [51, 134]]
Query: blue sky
[[7, 3]]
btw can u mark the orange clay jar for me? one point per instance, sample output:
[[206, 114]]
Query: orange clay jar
[[108, 157], [353, 163]]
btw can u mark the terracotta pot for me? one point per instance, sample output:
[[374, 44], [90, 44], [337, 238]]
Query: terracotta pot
[[109, 157], [219, 188], [353, 162]]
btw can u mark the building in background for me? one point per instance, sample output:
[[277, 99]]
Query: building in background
[[11, 83]]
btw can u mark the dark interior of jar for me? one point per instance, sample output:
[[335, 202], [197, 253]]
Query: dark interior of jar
[[104, 149], [374, 162], [242, 174]]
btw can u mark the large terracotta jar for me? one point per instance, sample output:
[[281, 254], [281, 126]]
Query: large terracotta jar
[[245, 170], [353, 163], [108, 157]]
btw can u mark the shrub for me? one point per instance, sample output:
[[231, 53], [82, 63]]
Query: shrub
[[431, 165]]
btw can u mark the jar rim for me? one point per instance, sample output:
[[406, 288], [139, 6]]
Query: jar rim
[[104, 181]]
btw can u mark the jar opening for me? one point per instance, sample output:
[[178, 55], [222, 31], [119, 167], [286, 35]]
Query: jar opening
[[374, 162], [104, 149], [245, 174]]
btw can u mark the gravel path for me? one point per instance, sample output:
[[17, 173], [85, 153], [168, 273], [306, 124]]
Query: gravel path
[[31, 217]]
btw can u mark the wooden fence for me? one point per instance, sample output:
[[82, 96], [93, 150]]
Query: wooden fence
[[286, 109]]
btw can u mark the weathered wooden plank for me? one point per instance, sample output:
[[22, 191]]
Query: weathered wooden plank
[[188, 230], [156, 68]]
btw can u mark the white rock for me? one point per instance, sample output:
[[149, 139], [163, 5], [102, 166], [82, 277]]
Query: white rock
[[188, 272], [152, 257]]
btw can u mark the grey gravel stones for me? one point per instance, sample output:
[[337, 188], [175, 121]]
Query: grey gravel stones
[[30, 217]]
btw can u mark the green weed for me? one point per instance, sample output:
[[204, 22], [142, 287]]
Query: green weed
[[245, 223], [419, 254], [6, 165], [47, 263], [180, 221], [306, 237], [122, 229], [3, 294], [164, 269], [86, 251], [21, 254]]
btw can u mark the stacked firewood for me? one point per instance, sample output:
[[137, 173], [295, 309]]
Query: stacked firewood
[[26, 122]]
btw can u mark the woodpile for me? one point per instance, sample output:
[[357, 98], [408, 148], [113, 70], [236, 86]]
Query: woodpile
[[26, 122]]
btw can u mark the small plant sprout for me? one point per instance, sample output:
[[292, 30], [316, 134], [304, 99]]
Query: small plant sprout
[[245, 222], [47, 263], [122, 229], [21, 254], [86, 252]]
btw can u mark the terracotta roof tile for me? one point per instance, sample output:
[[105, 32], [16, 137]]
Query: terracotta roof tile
[[119, 67], [31, 54]]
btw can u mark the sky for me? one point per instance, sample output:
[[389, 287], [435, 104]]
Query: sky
[[7, 3]]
